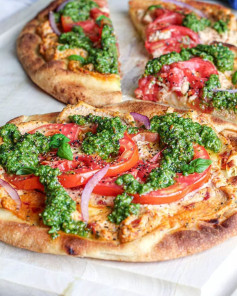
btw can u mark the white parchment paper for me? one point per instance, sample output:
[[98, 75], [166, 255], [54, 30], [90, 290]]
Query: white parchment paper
[[211, 273]]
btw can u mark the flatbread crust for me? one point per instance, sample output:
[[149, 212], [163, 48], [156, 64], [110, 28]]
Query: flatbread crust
[[151, 247], [212, 10], [54, 78]]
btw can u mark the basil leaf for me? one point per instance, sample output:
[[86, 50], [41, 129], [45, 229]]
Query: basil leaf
[[197, 165], [152, 7], [57, 140], [26, 171], [75, 57], [201, 164], [64, 151]]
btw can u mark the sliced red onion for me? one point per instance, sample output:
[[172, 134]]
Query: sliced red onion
[[61, 6], [142, 118], [86, 194], [185, 5], [53, 23], [12, 192], [231, 91]]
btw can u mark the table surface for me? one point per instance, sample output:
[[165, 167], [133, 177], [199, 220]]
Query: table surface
[[26, 273]]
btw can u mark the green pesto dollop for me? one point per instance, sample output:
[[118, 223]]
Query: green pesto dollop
[[104, 59], [194, 23], [220, 100], [176, 136], [221, 56], [20, 153], [220, 26], [78, 10], [154, 66], [105, 142], [123, 208], [59, 205]]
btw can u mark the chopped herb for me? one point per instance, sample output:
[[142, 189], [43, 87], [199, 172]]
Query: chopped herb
[[123, 208]]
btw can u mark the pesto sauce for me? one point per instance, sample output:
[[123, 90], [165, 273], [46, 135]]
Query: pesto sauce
[[220, 26], [219, 100], [104, 59], [196, 24], [176, 135], [221, 56], [123, 208], [192, 22], [78, 10], [19, 153], [59, 205], [105, 142]]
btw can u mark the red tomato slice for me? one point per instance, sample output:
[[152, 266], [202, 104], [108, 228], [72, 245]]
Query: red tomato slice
[[25, 182], [164, 17], [108, 187], [180, 37], [183, 185], [128, 158], [68, 24], [196, 71], [96, 12], [89, 165], [70, 130], [148, 89], [91, 29]]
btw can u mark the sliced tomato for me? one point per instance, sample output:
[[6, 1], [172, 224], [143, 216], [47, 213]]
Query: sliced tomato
[[183, 185], [163, 17], [167, 22], [196, 71], [88, 166], [128, 158], [148, 89], [25, 182], [108, 187], [96, 12], [68, 24], [180, 37], [70, 130]]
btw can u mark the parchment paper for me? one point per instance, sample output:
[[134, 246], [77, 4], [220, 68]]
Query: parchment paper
[[211, 273]]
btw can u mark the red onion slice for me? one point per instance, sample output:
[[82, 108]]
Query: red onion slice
[[231, 91], [142, 118], [61, 6], [86, 194], [12, 192], [53, 23], [185, 5]]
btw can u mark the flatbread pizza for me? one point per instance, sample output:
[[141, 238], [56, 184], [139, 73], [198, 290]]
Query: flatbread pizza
[[135, 181], [202, 78], [70, 51], [171, 25]]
